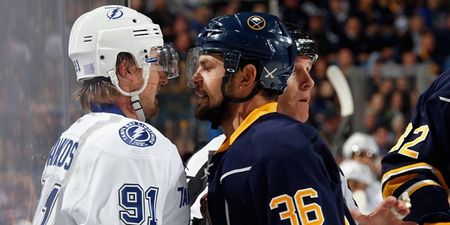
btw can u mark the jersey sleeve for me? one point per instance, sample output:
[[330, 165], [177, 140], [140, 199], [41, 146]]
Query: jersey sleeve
[[418, 163], [176, 208]]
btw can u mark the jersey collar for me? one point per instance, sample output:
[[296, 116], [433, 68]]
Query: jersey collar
[[106, 108], [251, 118]]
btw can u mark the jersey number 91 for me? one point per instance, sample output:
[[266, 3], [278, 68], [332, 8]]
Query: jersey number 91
[[132, 199]]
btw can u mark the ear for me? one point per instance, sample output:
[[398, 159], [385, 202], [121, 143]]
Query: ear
[[124, 70], [248, 77]]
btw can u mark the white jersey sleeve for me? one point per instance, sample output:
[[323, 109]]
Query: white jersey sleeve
[[122, 172]]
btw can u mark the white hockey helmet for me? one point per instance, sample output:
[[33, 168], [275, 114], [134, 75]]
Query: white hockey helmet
[[358, 142], [98, 36]]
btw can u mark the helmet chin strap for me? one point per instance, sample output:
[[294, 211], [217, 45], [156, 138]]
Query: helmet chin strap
[[135, 101]]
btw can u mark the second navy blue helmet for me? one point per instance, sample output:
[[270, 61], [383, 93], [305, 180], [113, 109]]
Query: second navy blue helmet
[[306, 45], [253, 36]]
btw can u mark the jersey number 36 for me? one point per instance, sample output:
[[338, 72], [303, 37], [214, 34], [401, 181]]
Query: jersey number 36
[[296, 209]]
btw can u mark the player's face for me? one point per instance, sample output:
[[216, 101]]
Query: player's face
[[295, 99], [207, 82], [148, 96]]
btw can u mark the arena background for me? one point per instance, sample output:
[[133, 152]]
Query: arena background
[[390, 50]]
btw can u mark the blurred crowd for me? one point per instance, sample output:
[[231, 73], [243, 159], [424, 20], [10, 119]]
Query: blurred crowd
[[389, 50]]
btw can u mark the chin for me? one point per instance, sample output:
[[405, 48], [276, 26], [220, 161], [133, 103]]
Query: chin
[[207, 113], [302, 115]]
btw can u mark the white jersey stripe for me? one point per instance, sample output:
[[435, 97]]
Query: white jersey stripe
[[444, 99], [231, 172]]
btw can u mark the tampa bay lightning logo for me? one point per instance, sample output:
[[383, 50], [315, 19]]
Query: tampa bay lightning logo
[[137, 134], [114, 13]]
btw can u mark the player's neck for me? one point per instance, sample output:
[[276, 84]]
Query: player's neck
[[124, 103], [238, 112]]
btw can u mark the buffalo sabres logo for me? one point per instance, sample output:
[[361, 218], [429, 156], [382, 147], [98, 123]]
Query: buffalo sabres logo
[[269, 74], [114, 13], [256, 22], [137, 134]]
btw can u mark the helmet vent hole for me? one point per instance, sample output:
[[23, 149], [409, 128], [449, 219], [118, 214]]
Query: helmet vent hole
[[134, 21], [142, 32], [102, 57], [87, 39]]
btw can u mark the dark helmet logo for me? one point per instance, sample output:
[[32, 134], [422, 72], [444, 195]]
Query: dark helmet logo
[[256, 22]]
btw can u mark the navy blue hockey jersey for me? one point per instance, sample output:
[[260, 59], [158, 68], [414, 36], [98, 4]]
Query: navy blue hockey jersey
[[275, 170], [420, 161]]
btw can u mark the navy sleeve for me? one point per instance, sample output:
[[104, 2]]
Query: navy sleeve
[[418, 163]]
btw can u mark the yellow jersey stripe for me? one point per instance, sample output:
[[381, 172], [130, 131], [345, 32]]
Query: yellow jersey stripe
[[438, 223], [391, 185], [251, 118]]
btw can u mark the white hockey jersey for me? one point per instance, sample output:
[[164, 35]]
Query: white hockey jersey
[[109, 169]]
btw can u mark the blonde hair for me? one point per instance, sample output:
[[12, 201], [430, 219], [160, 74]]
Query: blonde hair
[[100, 89]]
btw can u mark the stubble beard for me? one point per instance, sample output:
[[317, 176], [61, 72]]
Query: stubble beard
[[214, 114]]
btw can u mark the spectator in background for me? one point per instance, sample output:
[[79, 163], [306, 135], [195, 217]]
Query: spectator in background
[[337, 14], [443, 40], [417, 29], [327, 41], [291, 13], [384, 139], [200, 17], [354, 39], [162, 15]]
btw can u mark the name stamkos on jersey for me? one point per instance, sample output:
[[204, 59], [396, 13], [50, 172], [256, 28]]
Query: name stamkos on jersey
[[137, 134]]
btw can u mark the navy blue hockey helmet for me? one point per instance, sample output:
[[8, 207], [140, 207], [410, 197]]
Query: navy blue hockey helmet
[[253, 36], [306, 45]]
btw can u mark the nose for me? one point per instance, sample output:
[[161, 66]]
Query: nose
[[308, 82], [196, 79]]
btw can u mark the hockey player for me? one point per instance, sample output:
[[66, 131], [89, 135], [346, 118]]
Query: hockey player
[[299, 87], [267, 171], [419, 163], [295, 102], [110, 166]]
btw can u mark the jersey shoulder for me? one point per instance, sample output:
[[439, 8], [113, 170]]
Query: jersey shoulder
[[278, 132], [115, 133]]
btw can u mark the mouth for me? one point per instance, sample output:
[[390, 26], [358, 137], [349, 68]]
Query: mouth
[[200, 94], [305, 100]]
